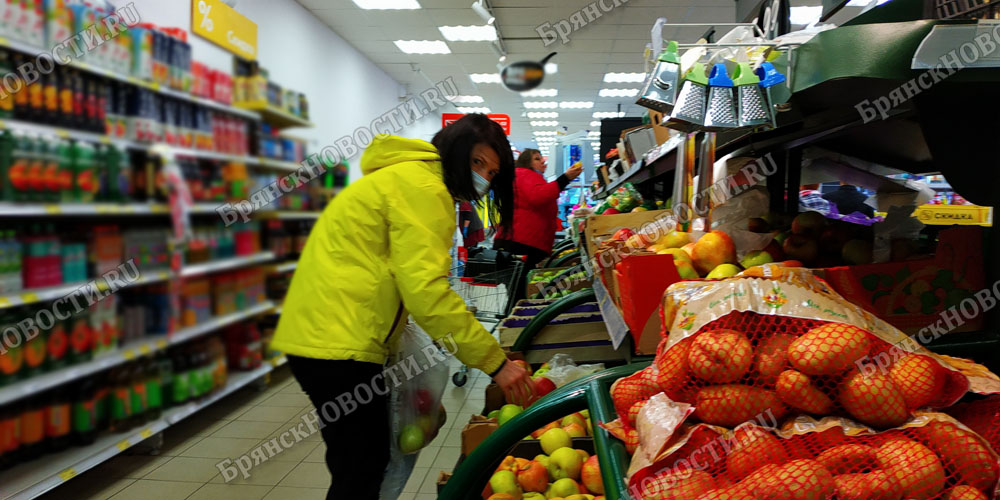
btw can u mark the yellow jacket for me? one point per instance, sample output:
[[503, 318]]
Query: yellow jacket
[[383, 243]]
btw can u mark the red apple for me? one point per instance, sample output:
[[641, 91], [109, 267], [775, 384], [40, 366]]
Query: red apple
[[774, 250], [801, 248], [610, 211], [712, 250], [590, 476], [808, 224], [575, 430], [833, 238], [791, 263], [622, 234], [533, 477], [523, 364], [544, 386], [538, 433], [424, 401]]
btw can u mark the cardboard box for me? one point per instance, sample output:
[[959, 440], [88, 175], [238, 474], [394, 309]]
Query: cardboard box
[[591, 329], [598, 228], [476, 431], [662, 133], [640, 282]]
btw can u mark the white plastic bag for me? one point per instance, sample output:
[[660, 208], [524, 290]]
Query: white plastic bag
[[562, 370], [415, 406]]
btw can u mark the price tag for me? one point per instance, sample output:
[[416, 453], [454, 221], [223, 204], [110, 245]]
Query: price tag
[[4, 301], [105, 140], [146, 433], [67, 474], [161, 344], [124, 445], [52, 209], [62, 133], [29, 297], [128, 355], [144, 349], [155, 86]]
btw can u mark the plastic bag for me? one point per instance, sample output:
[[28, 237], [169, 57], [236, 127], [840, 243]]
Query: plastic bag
[[562, 370], [415, 404]]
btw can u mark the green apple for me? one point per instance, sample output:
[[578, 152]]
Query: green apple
[[505, 481], [542, 459], [508, 412], [585, 413], [686, 270], [756, 258], [590, 428], [677, 253], [674, 239], [427, 424], [411, 438], [564, 487], [533, 495], [781, 237], [553, 439], [575, 418], [723, 271], [565, 463], [493, 414]]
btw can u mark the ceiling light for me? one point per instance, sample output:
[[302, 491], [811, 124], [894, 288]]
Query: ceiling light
[[624, 78], [503, 58], [485, 77], [540, 93], [543, 114], [805, 15], [609, 114], [423, 46], [470, 99], [387, 4], [545, 132], [576, 104], [595, 123], [541, 105], [473, 110], [618, 92], [468, 33], [551, 68], [483, 12], [549, 123]]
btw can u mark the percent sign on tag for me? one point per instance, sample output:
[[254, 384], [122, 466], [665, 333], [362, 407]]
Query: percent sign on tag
[[204, 9]]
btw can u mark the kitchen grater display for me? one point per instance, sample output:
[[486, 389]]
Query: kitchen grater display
[[769, 79], [689, 113], [721, 111], [660, 91], [751, 108]]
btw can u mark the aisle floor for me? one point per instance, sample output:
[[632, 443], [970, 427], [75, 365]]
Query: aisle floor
[[186, 469]]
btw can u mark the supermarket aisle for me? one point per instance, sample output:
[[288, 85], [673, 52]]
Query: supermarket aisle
[[186, 470]]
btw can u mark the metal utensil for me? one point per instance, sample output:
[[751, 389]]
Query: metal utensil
[[660, 91], [721, 111], [689, 113], [770, 79], [751, 108]]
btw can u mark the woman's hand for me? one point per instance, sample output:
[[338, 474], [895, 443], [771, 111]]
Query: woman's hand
[[574, 171], [516, 383]]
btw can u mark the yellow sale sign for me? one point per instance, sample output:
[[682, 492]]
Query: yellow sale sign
[[225, 27]]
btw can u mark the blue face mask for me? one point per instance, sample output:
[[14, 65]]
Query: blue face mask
[[481, 185]]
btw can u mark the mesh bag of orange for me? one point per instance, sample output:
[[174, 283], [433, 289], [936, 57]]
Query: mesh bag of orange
[[779, 340], [931, 456]]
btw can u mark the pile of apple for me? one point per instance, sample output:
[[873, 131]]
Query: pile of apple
[[416, 435], [817, 241], [561, 473]]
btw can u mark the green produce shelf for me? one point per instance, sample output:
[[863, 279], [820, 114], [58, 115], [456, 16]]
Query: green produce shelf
[[542, 319], [588, 392], [562, 261]]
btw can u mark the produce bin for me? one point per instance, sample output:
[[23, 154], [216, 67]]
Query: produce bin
[[539, 339]]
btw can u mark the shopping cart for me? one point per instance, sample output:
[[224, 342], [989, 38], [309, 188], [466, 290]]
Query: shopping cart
[[489, 295]]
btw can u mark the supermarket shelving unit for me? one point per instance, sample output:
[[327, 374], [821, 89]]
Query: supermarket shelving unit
[[34, 478]]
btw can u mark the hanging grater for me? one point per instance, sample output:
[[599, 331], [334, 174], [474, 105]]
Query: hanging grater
[[770, 79], [689, 113], [660, 91], [721, 112], [751, 109]]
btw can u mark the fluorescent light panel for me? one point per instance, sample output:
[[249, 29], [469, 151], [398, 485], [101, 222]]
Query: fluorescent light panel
[[423, 46], [624, 77], [609, 114], [387, 4], [542, 114], [551, 68], [541, 105], [618, 92], [485, 77], [473, 110], [485, 33], [576, 104], [540, 93], [805, 15], [550, 123], [543, 133], [466, 99]]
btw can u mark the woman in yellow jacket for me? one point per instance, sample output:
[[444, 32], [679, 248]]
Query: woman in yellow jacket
[[380, 252]]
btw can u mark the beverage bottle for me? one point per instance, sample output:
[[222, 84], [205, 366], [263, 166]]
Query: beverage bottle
[[94, 122], [181, 387], [53, 252], [165, 367], [50, 98], [22, 109], [120, 400], [7, 145], [79, 118], [6, 100], [36, 169], [51, 170], [11, 361], [33, 428], [58, 420], [154, 388], [17, 250], [102, 401], [66, 80], [81, 338], [85, 405], [35, 349], [57, 346], [140, 398], [10, 434], [6, 264]]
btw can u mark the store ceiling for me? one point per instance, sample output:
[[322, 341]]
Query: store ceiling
[[612, 43]]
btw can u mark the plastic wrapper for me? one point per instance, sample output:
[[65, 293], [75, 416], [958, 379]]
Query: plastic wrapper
[[623, 199], [931, 456], [562, 370], [415, 404]]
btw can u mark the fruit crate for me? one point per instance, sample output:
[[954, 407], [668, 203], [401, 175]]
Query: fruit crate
[[640, 281], [911, 295], [526, 449]]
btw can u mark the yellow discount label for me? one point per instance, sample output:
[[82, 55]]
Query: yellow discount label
[[223, 26], [146, 433], [123, 445], [67, 474]]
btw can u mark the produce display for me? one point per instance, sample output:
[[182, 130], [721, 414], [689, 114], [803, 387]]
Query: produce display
[[625, 199], [843, 396]]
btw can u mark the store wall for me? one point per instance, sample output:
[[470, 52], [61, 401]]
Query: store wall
[[345, 89]]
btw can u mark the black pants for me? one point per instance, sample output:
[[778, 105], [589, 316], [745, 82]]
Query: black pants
[[357, 443], [535, 256]]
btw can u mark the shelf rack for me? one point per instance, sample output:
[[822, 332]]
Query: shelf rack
[[226, 264], [277, 118]]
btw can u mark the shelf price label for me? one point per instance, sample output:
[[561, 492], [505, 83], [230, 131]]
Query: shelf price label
[[128, 355], [29, 297], [161, 344], [144, 349], [67, 474], [123, 445], [223, 26], [146, 433]]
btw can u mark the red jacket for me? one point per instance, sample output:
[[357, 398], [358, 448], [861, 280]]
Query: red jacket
[[535, 211]]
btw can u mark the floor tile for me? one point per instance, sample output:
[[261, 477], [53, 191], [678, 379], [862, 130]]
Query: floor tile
[[416, 479], [447, 458], [174, 445], [267, 473], [270, 413], [427, 455], [297, 453], [279, 399], [187, 469], [308, 475], [426, 496], [318, 454], [131, 466], [289, 492], [430, 481], [217, 447], [230, 492], [454, 437], [197, 425], [406, 496], [84, 487], [470, 408], [146, 489], [452, 405], [246, 429]]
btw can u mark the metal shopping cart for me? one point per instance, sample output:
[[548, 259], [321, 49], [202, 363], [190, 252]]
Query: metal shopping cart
[[488, 288]]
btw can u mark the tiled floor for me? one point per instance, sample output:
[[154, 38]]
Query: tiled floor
[[186, 470]]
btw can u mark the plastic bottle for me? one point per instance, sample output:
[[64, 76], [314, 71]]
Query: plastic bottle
[[120, 400], [10, 434], [11, 361], [7, 145], [33, 428], [50, 97], [81, 338], [102, 397], [17, 256], [58, 421], [53, 253], [154, 388], [36, 169], [22, 110], [6, 100], [140, 398], [85, 405], [51, 170], [35, 349], [57, 346]]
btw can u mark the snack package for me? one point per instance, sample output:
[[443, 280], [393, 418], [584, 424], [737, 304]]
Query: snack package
[[931, 455], [415, 404]]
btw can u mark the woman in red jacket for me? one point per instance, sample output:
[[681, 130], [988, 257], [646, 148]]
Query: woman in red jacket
[[535, 211]]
